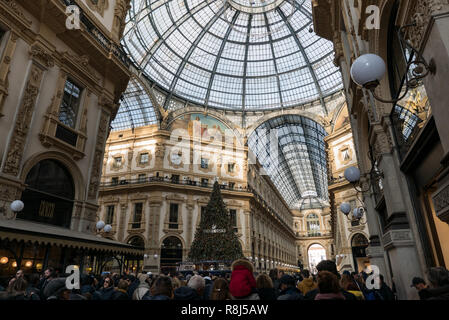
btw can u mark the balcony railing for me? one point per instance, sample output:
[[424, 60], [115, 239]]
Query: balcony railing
[[150, 180], [104, 41]]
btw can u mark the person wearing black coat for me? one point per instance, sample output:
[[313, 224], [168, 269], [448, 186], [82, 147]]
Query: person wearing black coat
[[265, 288], [328, 265], [288, 289], [107, 291]]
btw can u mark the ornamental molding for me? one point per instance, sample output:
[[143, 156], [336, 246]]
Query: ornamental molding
[[16, 147], [99, 6], [441, 203], [42, 56], [422, 16]]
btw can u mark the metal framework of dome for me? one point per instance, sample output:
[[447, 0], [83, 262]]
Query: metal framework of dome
[[292, 151], [232, 54]]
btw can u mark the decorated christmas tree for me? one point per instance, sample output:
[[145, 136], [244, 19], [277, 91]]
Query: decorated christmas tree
[[215, 238]]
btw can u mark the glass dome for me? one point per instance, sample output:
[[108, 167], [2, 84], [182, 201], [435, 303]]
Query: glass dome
[[232, 54]]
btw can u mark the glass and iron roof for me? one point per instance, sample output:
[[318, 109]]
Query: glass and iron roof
[[232, 54], [136, 109], [291, 149]]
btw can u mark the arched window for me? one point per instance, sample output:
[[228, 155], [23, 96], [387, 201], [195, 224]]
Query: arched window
[[137, 241], [313, 225], [171, 254], [49, 194]]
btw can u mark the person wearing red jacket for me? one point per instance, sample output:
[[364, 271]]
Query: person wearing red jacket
[[243, 283]]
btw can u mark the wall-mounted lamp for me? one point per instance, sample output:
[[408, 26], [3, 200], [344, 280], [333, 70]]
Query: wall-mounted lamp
[[101, 225], [16, 207], [357, 213], [368, 70]]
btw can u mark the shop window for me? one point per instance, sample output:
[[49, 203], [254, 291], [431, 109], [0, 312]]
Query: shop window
[[173, 218], [68, 111], [49, 194], [110, 214], [204, 182], [231, 167], [137, 218], [231, 185], [114, 180], [142, 177]]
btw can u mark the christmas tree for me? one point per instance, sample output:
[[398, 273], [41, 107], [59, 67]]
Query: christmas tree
[[215, 238]]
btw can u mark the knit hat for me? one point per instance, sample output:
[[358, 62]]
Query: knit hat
[[242, 279]]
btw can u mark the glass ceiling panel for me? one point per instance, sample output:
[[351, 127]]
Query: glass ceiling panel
[[135, 108], [296, 160], [266, 46]]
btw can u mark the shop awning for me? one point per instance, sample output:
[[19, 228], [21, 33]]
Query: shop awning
[[52, 235]]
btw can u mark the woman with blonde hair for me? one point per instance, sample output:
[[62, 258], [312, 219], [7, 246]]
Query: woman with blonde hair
[[220, 290]]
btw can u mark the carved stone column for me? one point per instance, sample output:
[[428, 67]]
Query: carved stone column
[[189, 230], [41, 61], [122, 226]]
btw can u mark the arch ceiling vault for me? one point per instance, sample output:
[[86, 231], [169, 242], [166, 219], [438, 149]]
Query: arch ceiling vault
[[232, 54]]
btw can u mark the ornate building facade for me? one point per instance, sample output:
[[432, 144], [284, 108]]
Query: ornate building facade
[[59, 91], [407, 208]]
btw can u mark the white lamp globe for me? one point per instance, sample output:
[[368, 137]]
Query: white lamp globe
[[368, 68], [107, 228], [345, 208], [100, 225], [358, 213], [155, 256], [352, 174], [17, 206], [145, 256]]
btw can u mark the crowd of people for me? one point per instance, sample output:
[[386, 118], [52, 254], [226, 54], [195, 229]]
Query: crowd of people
[[241, 284]]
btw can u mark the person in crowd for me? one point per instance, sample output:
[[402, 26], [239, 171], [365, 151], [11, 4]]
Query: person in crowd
[[307, 284], [193, 291], [121, 292], [87, 284], [420, 285], [220, 290], [330, 266], [274, 275], [328, 287], [19, 274], [162, 289], [265, 288], [18, 289], [49, 274], [143, 287], [289, 291], [348, 284], [133, 283], [208, 287], [106, 292], [243, 284], [385, 292], [439, 284], [32, 290]]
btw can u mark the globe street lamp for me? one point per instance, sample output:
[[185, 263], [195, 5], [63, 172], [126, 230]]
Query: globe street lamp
[[16, 207], [369, 69]]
